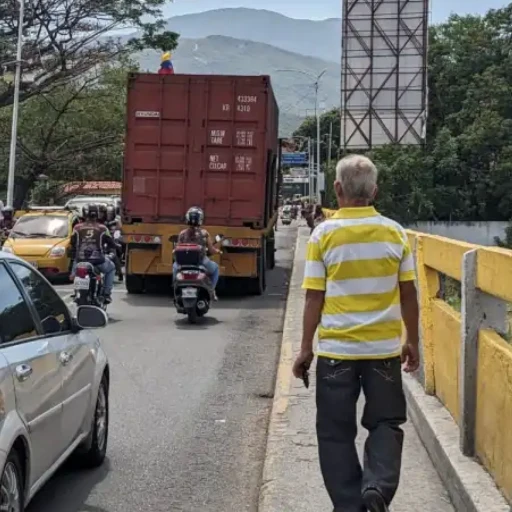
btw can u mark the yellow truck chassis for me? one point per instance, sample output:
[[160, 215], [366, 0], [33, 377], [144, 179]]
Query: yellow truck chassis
[[246, 254]]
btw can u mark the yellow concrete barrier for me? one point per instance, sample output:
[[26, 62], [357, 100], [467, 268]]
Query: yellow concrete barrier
[[443, 333]]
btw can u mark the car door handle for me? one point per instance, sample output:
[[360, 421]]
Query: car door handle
[[23, 372], [65, 358]]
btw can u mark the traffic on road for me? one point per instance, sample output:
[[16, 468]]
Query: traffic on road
[[184, 278], [189, 404]]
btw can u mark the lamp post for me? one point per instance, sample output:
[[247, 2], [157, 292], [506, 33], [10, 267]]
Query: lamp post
[[317, 113], [310, 173], [16, 106]]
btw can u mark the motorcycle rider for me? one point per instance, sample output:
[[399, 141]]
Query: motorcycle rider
[[88, 243], [113, 224], [194, 234], [7, 222]]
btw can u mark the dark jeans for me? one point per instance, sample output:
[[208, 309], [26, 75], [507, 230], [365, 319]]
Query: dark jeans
[[338, 387]]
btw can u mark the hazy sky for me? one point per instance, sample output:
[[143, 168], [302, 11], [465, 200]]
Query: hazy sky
[[320, 9]]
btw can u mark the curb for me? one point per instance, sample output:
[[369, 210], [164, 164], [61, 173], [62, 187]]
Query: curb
[[277, 424], [471, 488]]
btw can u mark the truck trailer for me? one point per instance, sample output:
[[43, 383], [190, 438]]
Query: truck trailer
[[201, 140]]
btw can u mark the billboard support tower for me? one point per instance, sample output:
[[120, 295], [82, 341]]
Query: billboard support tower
[[383, 72]]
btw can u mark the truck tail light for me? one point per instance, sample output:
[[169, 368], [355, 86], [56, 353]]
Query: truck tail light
[[241, 242], [144, 239]]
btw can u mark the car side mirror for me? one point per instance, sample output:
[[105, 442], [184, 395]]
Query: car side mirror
[[91, 317]]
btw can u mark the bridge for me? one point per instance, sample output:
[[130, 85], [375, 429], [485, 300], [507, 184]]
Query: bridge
[[459, 454]]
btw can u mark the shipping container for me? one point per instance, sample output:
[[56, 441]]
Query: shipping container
[[201, 140]]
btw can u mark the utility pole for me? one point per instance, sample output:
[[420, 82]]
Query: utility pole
[[317, 115], [15, 108], [310, 162], [330, 146], [318, 159]]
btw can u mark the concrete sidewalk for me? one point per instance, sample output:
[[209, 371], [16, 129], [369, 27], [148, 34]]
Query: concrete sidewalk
[[291, 480]]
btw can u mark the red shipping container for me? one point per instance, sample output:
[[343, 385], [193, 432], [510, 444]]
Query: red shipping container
[[200, 140]]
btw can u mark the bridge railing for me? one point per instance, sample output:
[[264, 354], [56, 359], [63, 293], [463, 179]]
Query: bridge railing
[[466, 355]]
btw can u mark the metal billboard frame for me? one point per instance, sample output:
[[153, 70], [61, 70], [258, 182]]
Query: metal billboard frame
[[383, 72]]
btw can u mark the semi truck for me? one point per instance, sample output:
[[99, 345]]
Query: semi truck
[[200, 140]]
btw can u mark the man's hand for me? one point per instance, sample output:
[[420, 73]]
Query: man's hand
[[303, 361], [410, 357]]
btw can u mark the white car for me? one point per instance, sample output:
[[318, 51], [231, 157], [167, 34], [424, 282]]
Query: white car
[[54, 383]]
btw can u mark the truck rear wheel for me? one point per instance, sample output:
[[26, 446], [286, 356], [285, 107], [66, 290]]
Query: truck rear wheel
[[258, 284], [271, 253], [134, 284]]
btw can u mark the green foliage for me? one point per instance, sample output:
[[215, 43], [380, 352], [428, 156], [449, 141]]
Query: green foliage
[[66, 39], [465, 171], [74, 132]]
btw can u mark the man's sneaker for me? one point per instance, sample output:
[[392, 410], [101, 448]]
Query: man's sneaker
[[215, 296], [107, 299], [374, 501]]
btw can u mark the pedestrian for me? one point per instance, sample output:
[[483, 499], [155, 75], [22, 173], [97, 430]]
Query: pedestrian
[[360, 285]]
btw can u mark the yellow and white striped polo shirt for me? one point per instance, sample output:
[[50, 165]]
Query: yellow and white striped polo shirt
[[358, 257]]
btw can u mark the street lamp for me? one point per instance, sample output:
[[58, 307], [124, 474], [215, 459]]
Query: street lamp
[[317, 113], [310, 178], [16, 106]]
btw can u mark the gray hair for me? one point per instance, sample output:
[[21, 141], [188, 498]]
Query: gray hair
[[357, 175]]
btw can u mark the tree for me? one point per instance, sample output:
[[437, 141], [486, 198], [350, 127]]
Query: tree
[[67, 39], [465, 170], [75, 132], [309, 129]]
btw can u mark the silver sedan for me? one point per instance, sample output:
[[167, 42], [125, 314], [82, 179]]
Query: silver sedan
[[54, 383]]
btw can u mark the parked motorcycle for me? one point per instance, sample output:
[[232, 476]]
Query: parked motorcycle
[[193, 290]]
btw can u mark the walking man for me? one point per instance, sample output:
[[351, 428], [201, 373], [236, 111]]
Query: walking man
[[360, 284]]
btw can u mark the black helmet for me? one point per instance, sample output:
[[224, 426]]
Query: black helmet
[[8, 213], [111, 212], [91, 212], [102, 209], [194, 216]]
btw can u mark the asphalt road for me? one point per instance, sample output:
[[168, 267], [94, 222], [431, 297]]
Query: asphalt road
[[189, 405]]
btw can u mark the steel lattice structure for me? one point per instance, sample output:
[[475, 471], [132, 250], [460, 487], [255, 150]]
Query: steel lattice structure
[[383, 72]]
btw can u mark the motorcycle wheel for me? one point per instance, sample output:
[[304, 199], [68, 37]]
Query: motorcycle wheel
[[82, 299], [192, 315]]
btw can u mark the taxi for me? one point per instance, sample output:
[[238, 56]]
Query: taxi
[[42, 238]]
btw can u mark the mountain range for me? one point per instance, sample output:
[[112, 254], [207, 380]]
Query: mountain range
[[321, 39], [257, 42]]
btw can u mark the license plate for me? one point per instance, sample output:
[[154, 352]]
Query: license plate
[[189, 293], [81, 283]]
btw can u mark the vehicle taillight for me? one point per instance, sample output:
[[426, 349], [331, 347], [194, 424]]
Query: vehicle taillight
[[144, 239], [241, 242], [82, 272], [191, 276]]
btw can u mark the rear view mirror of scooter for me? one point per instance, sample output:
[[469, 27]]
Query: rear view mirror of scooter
[[219, 238], [173, 239]]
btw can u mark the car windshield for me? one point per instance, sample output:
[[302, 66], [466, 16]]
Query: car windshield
[[78, 204], [44, 226]]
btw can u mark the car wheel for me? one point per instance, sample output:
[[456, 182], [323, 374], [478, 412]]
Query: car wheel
[[95, 455], [11, 485]]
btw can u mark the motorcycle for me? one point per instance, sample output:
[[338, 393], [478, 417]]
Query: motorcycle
[[118, 239], [193, 290], [89, 284], [286, 218]]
